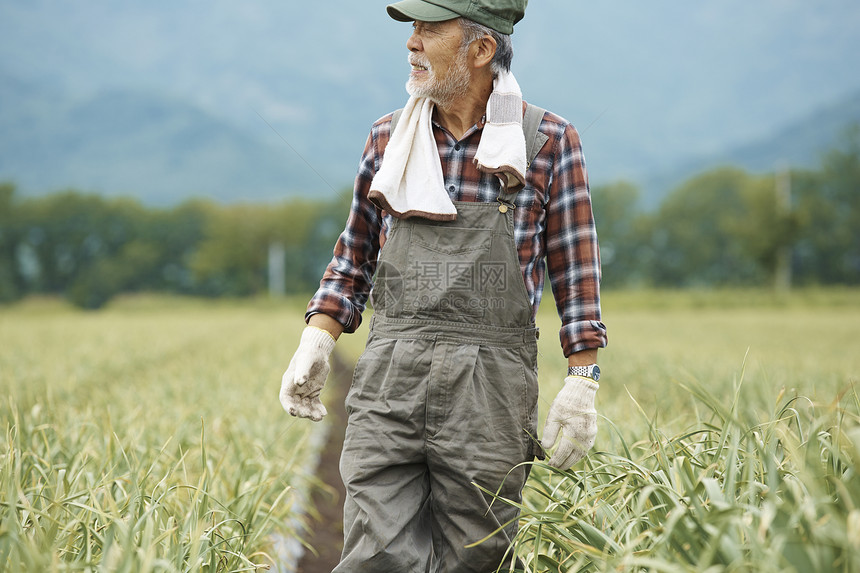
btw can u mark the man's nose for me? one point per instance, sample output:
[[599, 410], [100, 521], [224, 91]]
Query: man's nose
[[413, 44]]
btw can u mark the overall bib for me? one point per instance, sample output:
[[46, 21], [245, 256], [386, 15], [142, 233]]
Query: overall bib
[[444, 397]]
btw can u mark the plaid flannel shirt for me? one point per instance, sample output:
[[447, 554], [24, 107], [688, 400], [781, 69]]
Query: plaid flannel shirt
[[554, 229]]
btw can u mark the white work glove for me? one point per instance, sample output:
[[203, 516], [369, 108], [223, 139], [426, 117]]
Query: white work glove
[[305, 376], [572, 412]]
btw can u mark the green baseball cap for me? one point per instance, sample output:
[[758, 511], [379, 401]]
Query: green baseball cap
[[500, 15]]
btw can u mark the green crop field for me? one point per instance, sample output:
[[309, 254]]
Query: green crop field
[[730, 440], [148, 437]]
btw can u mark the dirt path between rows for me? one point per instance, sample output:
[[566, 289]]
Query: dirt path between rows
[[326, 528]]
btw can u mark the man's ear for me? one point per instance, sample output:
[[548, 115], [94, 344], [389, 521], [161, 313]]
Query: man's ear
[[484, 49]]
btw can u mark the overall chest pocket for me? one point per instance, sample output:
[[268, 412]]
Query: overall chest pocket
[[441, 280], [458, 242]]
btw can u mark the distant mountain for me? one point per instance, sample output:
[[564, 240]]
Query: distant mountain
[[164, 150], [128, 142], [799, 144], [165, 99]]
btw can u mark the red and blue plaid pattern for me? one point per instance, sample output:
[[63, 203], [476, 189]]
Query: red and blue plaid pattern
[[553, 229]]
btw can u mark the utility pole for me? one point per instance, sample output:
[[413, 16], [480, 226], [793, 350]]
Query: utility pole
[[782, 205], [277, 269]]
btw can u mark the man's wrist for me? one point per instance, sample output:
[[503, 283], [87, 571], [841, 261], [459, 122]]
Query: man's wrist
[[584, 357], [327, 323], [591, 371]]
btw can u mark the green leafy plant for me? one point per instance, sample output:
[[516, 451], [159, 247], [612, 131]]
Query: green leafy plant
[[737, 491]]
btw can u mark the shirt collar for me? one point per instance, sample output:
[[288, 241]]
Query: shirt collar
[[477, 127]]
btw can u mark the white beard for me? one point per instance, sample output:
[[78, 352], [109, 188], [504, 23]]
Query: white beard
[[441, 92]]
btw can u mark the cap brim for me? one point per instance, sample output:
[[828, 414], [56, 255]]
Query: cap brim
[[411, 10]]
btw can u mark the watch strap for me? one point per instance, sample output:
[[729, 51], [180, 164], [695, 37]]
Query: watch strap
[[584, 371]]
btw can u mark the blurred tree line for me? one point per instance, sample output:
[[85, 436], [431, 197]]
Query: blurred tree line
[[725, 227], [90, 248]]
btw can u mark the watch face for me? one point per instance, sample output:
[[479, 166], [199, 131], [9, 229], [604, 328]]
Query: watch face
[[595, 372]]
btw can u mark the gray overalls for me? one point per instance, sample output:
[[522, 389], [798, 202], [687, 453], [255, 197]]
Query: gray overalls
[[443, 397]]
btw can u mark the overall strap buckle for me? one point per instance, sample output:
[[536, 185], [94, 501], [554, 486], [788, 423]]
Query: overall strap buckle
[[505, 205]]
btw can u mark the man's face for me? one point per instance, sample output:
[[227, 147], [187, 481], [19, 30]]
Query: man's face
[[440, 69]]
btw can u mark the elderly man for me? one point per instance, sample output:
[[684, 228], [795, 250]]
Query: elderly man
[[458, 212]]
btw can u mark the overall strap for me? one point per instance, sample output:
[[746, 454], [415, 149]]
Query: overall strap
[[531, 130], [535, 140]]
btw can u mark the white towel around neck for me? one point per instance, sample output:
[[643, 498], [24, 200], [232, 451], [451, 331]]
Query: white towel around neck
[[410, 182]]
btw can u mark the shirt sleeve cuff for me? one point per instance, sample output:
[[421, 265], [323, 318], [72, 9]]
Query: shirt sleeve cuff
[[582, 335], [338, 307]]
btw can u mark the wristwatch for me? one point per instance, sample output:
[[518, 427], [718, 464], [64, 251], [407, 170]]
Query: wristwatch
[[592, 371]]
